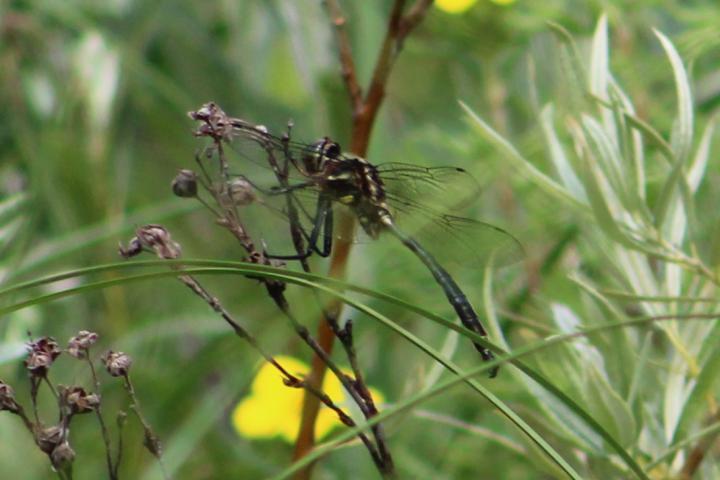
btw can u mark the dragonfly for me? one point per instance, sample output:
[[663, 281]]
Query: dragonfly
[[380, 197]]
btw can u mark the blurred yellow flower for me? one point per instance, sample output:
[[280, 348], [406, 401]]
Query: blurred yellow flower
[[454, 6], [273, 410], [460, 6]]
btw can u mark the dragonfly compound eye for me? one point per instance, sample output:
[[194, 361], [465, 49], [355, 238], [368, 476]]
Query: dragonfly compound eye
[[317, 152], [331, 149]]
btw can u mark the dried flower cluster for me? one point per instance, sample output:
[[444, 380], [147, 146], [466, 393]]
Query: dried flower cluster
[[54, 440], [41, 354], [155, 238], [117, 363], [79, 345]]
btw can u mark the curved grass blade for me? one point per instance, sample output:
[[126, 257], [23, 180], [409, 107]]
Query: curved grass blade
[[284, 276], [419, 398], [84, 237], [299, 278]]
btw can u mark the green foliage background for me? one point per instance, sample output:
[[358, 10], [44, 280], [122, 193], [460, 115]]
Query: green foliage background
[[93, 128]]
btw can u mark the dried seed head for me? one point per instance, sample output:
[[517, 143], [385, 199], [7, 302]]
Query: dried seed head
[[117, 363], [78, 401], [49, 438], [158, 238], [240, 192], [152, 443], [41, 354], [79, 344], [62, 456], [133, 248], [154, 237], [185, 184], [7, 398], [215, 123]]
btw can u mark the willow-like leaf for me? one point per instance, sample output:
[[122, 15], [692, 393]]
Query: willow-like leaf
[[557, 155], [511, 154]]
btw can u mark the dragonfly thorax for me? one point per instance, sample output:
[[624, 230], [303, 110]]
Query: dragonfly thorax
[[351, 181]]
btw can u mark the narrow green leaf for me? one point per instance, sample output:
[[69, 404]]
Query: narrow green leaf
[[681, 142], [572, 67], [652, 135], [636, 148], [511, 154], [608, 159], [702, 155], [609, 408], [683, 126], [599, 63], [557, 155], [704, 386]]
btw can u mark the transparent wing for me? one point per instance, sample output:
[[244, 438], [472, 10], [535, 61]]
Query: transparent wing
[[457, 241], [452, 239], [445, 188], [260, 160]]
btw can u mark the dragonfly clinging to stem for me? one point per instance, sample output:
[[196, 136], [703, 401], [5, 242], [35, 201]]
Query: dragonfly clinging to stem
[[341, 178]]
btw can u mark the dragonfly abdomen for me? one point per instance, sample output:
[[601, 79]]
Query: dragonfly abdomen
[[452, 290]]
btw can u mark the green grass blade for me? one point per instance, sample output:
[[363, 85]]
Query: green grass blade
[[294, 277], [290, 277]]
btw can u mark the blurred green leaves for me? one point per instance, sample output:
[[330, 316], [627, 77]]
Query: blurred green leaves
[[605, 127]]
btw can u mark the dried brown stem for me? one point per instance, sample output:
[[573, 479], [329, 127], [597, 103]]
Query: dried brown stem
[[290, 379], [112, 471], [699, 452], [151, 441], [347, 64]]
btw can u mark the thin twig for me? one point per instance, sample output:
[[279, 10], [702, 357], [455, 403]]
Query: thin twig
[[121, 417], [699, 452], [290, 379], [103, 428], [347, 64], [151, 442], [413, 18]]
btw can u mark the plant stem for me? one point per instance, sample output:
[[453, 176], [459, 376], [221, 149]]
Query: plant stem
[[112, 471], [364, 113]]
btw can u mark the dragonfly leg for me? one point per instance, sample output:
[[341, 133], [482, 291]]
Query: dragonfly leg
[[288, 188], [323, 224]]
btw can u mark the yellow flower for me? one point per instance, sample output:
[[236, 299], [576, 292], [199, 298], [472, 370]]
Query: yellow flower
[[455, 6], [461, 6], [273, 409]]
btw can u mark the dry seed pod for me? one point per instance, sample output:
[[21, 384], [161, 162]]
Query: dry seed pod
[[80, 343], [41, 354], [184, 184], [117, 363]]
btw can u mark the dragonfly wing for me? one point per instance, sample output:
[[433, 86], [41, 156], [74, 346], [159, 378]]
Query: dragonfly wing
[[458, 241], [448, 187], [259, 160]]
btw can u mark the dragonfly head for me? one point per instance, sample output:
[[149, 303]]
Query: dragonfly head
[[318, 153]]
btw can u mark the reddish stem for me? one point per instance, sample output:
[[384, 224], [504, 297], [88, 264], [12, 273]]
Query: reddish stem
[[365, 112]]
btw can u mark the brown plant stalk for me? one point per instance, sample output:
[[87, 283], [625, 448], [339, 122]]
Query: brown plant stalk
[[364, 112]]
